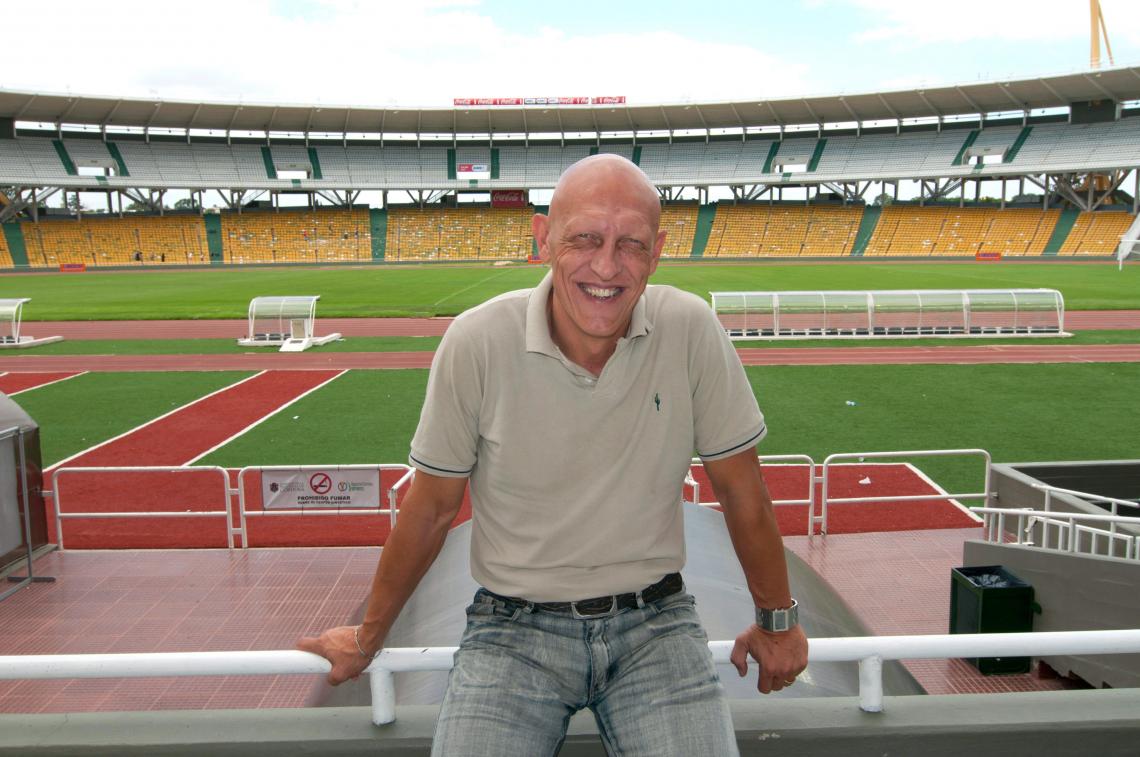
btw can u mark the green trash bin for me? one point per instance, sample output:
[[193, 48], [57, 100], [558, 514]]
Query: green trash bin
[[990, 599]]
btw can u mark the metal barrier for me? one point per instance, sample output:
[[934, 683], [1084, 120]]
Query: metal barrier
[[764, 460], [821, 519], [1114, 503], [1065, 528], [868, 651], [391, 511], [60, 516]]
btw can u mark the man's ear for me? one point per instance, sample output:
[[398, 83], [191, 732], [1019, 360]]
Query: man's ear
[[658, 248], [540, 227]]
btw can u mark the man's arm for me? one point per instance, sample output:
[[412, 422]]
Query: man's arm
[[751, 523], [428, 510]]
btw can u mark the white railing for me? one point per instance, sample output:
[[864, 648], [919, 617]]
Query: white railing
[[1061, 531], [226, 495], [784, 460], [1113, 503], [227, 512], [869, 651], [830, 461], [390, 511]]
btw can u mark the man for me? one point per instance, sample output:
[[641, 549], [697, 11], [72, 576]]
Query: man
[[574, 409]]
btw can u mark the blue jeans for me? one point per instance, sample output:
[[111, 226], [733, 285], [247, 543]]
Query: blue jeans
[[646, 674]]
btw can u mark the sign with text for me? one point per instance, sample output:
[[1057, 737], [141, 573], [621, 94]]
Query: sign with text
[[324, 488], [508, 198]]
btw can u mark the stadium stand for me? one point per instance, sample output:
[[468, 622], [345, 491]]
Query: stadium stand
[[1048, 147], [93, 241], [762, 230], [297, 236], [679, 220], [463, 233], [1096, 233], [5, 253], [947, 230]]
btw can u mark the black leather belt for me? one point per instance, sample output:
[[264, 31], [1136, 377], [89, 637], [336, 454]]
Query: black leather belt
[[595, 606]]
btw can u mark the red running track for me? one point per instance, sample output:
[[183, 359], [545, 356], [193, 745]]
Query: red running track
[[13, 383], [186, 433], [306, 361]]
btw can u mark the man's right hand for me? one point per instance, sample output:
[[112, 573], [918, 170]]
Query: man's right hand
[[338, 646]]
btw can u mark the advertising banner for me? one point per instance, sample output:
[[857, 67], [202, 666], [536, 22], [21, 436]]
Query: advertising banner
[[508, 198], [472, 168], [328, 488]]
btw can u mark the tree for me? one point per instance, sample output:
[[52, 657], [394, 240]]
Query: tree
[[884, 200], [137, 207], [186, 203], [74, 204]]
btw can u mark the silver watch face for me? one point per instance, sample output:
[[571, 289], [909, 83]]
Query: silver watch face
[[778, 620]]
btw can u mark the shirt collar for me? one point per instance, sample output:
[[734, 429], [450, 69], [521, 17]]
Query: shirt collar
[[538, 337]]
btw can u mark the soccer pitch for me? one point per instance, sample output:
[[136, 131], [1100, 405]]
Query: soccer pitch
[[442, 290]]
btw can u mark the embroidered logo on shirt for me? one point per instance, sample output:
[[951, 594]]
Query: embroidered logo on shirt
[[657, 401]]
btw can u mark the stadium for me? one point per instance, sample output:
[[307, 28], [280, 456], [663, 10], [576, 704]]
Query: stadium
[[208, 305]]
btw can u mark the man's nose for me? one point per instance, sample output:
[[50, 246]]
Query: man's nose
[[605, 261]]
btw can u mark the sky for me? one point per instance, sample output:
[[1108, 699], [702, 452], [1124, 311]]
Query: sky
[[381, 53]]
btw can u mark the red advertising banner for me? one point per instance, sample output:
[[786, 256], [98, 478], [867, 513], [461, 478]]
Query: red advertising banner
[[471, 168], [500, 101], [508, 198], [987, 256]]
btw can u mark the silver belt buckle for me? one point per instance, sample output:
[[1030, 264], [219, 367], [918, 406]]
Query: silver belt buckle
[[579, 616]]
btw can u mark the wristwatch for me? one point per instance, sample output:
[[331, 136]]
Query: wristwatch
[[778, 620]]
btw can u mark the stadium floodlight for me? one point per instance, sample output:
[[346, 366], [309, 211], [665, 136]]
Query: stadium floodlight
[[285, 322]]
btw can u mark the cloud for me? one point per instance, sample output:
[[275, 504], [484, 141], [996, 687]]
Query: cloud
[[917, 23], [348, 52]]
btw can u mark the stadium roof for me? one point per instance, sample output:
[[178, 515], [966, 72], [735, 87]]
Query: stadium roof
[[1119, 84]]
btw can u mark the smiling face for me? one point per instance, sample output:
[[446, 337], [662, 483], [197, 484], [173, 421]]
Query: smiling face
[[602, 242]]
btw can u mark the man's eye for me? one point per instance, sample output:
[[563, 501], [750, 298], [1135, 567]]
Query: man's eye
[[632, 246]]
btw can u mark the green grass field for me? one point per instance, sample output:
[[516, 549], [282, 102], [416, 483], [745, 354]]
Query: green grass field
[[448, 290], [1016, 412]]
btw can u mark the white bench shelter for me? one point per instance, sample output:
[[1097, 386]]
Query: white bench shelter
[[11, 311], [285, 322], [891, 313]]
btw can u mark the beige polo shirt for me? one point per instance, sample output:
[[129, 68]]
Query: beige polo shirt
[[576, 481]]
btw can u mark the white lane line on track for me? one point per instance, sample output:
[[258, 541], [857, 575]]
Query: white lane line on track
[[480, 282], [150, 422], [264, 418], [49, 383]]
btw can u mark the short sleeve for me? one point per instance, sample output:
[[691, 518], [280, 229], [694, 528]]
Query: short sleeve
[[446, 438], [726, 417]]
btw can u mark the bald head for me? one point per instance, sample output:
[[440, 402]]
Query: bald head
[[612, 173]]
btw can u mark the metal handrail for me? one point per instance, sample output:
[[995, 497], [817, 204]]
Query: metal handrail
[[993, 519], [869, 651], [60, 516], [764, 460], [243, 512], [829, 461]]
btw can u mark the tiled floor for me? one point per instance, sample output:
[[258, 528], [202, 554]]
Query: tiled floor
[[898, 583], [178, 600], [188, 600]]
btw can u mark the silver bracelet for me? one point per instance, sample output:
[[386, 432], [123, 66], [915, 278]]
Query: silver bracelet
[[356, 638]]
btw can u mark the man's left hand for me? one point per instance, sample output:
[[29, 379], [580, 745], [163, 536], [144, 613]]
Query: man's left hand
[[781, 656]]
